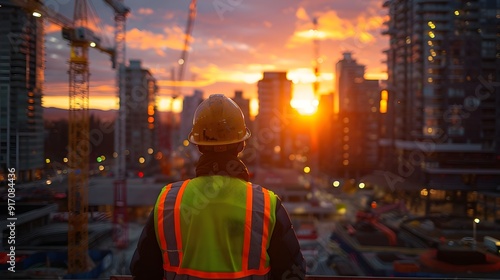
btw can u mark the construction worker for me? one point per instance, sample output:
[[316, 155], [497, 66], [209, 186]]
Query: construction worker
[[218, 225]]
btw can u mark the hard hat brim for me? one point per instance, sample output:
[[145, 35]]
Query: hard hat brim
[[192, 139]]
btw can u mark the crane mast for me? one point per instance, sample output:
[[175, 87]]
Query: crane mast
[[120, 228], [79, 143]]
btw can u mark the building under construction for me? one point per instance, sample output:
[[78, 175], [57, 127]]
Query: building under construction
[[21, 89]]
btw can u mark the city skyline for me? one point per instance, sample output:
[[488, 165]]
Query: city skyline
[[234, 42]]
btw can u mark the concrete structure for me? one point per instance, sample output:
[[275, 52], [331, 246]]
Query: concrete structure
[[272, 139], [21, 89], [442, 127], [141, 116]]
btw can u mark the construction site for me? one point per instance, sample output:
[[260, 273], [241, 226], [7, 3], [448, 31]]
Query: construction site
[[80, 216]]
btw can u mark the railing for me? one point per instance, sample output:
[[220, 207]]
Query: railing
[[315, 277]]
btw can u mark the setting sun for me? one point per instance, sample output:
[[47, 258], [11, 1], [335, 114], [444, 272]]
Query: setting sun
[[303, 99]]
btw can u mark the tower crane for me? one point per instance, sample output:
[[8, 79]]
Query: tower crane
[[120, 227], [182, 63], [187, 39], [81, 37], [78, 161], [76, 31]]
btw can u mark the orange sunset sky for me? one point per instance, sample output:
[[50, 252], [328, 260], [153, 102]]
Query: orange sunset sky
[[233, 42]]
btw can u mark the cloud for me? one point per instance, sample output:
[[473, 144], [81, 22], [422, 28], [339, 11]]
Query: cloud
[[148, 40], [267, 24], [363, 28], [301, 14], [145, 11], [249, 74]]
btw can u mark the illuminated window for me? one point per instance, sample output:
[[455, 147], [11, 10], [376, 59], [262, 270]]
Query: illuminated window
[[384, 95], [383, 106]]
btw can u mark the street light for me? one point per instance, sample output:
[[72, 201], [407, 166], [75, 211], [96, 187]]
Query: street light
[[474, 223]]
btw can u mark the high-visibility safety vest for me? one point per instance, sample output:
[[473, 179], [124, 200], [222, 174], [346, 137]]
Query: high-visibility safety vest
[[215, 227]]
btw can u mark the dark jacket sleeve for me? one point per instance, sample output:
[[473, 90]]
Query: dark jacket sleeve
[[284, 252], [147, 261]]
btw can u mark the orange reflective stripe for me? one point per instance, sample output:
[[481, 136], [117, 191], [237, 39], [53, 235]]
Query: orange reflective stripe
[[265, 228], [222, 275], [160, 211], [177, 220], [248, 228], [165, 223]]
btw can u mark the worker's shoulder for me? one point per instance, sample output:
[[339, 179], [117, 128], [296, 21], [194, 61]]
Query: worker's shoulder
[[258, 186], [175, 184]]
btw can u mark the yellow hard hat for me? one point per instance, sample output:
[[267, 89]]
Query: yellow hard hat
[[218, 120]]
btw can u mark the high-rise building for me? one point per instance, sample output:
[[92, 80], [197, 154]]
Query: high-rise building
[[244, 105], [443, 118], [272, 138], [141, 116], [328, 136], [21, 89], [356, 105], [348, 74], [249, 154]]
